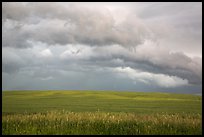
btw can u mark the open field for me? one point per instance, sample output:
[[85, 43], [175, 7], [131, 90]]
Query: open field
[[100, 112]]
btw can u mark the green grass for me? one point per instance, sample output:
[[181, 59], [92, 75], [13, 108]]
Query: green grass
[[100, 112]]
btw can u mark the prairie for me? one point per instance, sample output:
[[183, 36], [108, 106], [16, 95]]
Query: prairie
[[100, 112]]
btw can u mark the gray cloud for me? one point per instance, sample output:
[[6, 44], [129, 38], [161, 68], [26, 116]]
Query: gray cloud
[[76, 44], [72, 24], [82, 57], [162, 61], [178, 28]]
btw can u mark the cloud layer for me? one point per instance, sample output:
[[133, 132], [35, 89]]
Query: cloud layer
[[151, 78], [69, 25], [144, 45]]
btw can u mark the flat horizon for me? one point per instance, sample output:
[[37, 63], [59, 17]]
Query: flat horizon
[[109, 46]]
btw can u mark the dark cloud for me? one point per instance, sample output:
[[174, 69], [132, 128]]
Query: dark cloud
[[72, 24], [72, 44], [82, 58]]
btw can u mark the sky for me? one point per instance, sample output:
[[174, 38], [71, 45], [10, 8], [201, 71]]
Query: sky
[[132, 46]]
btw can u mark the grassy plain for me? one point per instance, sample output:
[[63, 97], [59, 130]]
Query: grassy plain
[[100, 112]]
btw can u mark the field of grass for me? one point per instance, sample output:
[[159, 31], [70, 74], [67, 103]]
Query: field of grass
[[100, 112]]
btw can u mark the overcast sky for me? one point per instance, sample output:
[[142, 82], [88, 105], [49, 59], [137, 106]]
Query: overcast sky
[[102, 46]]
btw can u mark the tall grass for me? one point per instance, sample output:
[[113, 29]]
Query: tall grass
[[63, 122], [123, 113]]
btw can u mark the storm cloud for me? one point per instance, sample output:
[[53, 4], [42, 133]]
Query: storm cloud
[[72, 24], [104, 46]]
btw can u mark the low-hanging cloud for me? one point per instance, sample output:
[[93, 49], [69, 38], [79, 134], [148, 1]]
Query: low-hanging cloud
[[151, 78], [162, 61], [52, 42]]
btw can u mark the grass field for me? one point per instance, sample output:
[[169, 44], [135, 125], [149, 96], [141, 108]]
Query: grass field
[[100, 112]]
